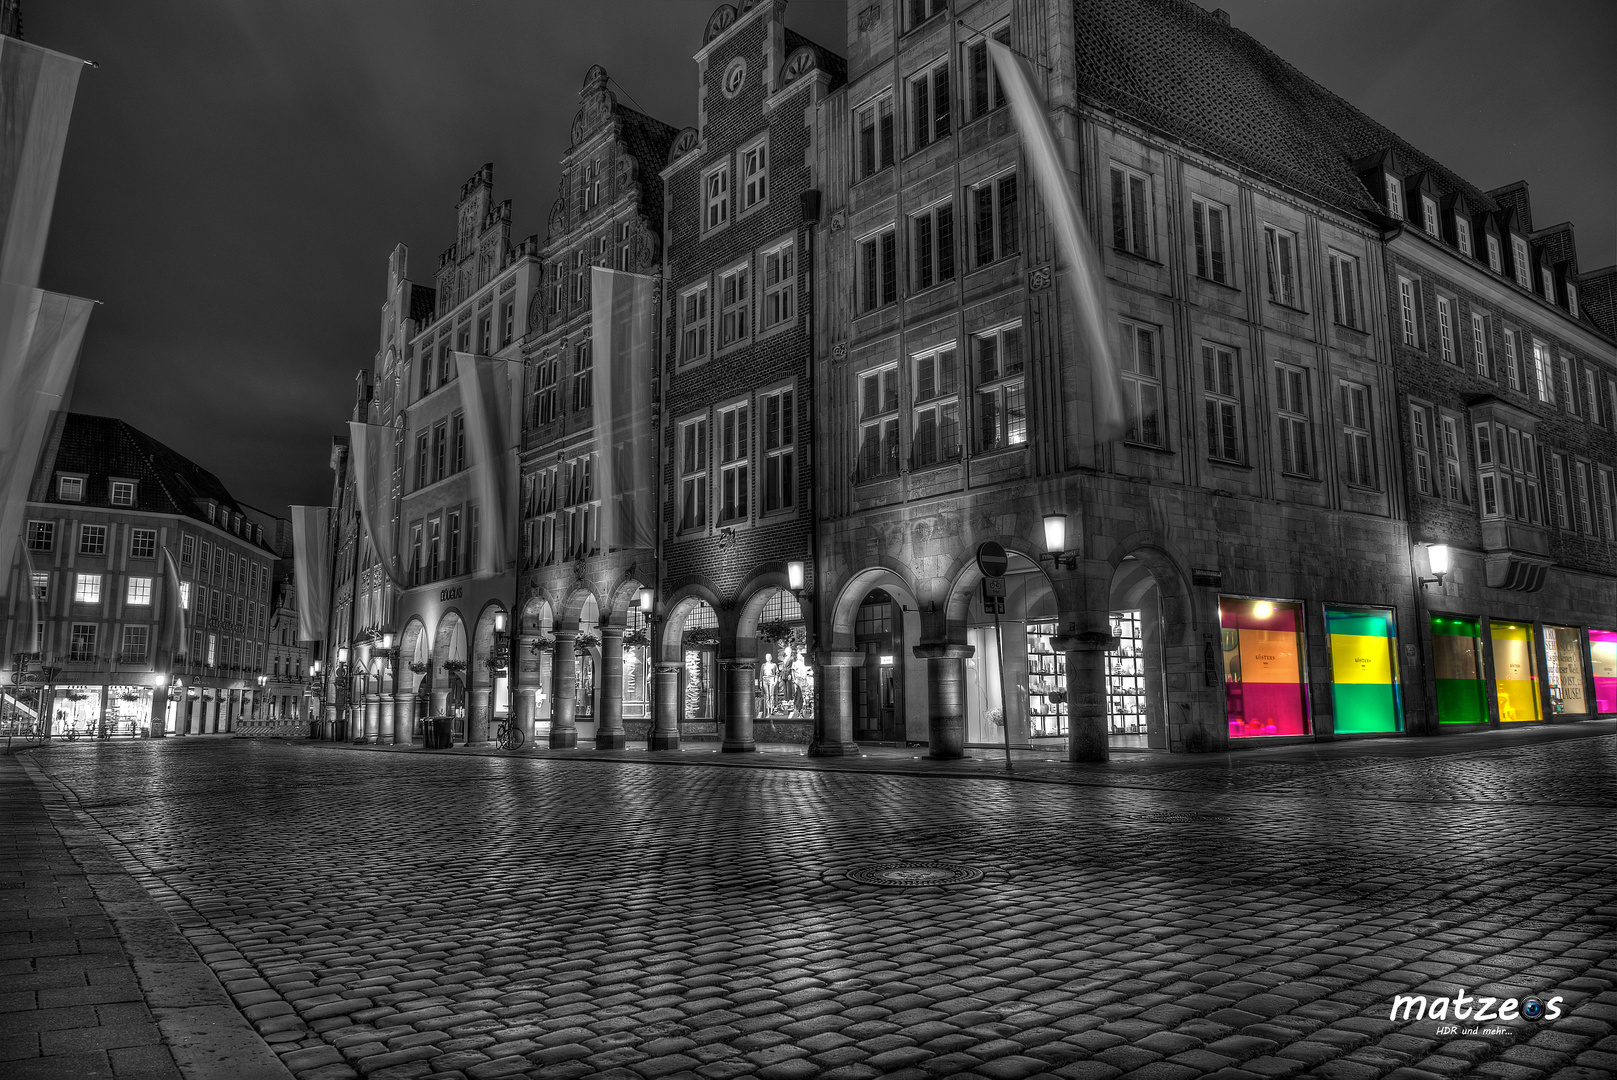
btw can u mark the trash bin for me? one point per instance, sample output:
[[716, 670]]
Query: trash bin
[[440, 734], [341, 732], [314, 729]]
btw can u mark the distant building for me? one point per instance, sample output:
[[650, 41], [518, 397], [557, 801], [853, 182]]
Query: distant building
[[108, 507], [286, 672]]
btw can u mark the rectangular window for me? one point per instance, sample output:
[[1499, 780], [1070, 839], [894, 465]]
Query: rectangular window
[[1518, 254], [485, 333], [735, 306], [1513, 361], [134, 647], [71, 489], [230, 573], [1445, 329], [1131, 211], [1361, 466], [985, 93], [508, 321], [932, 247], [1142, 385], [41, 583], [424, 369], [1453, 478], [1364, 670], [1280, 252], [693, 324], [185, 595], [1001, 401], [1296, 436], [1495, 260], [1428, 208], [87, 589], [996, 226], [435, 549], [1541, 372], [1479, 345], [1607, 493], [440, 450], [1210, 227], [123, 493], [780, 284], [1568, 381], [878, 270], [878, 422], [1548, 278], [1408, 313], [1591, 394], [693, 475], [1555, 480], [583, 376], [1395, 196], [873, 124], [446, 362], [1462, 234], [780, 451], [716, 197], [755, 174], [82, 647], [452, 555], [42, 536], [421, 479], [1346, 304], [735, 455], [416, 564], [140, 591], [457, 442], [935, 392], [1265, 667], [92, 539], [473, 533], [581, 277], [1221, 403], [929, 106], [1585, 492], [922, 10], [546, 394]]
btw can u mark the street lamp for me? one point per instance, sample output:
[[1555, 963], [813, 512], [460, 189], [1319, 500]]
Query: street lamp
[[1438, 557], [794, 577], [1055, 542]]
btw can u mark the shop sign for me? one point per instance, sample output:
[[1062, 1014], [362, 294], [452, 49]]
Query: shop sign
[[446, 595], [1209, 579]]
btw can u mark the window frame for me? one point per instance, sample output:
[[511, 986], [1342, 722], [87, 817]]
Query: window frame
[[1395, 196], [1409, 312], [1347, 295], [41, 535], [883, 144], [82, 642], [1004, 217], [1358, 435], [1007, 389], [933, 9], [1481, 357], [113, 491], [142, 543], [936, 405], [932, 231], [777, 436], [1462, 236], [733, 451], [1496, 254], [582, 380], [1519, 259], [876, 271], [77, 483], [1211, 244], [1223, 413], [1129, 216], [87, 588], [1295, 420], [983, 94], [1454, 486], [138, 591], [716, 197], [751, 174], [778, 301], [1446, 350], [1285, 276], [93, 540], [740, 308], [1139, 385], [880, 441], [1543, 371], [693, 456], [930, 112], [695, 327]]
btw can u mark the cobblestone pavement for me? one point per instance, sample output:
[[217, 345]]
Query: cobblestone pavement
[[408, 914]]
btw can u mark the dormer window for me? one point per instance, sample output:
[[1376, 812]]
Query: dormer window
[[70, 488], [1462, 234], [1428, 208], [1496, 261], [1518, 254], [1572, 299], [1395, 196], [1549, 283], [123, 493]]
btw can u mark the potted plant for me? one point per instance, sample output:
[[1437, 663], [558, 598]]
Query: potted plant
[[585, 642], [701, 635], [543, 645], [455, 666], [419, 666], [636, 638]]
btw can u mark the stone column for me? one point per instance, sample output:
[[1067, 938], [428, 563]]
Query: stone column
[[477, 714], [834, 705], [563, 727], [159, 718], [182, 713], [440, 694], [210, 716], [373, 718], [525, 707], [1086, 693], [946, 699], [664, 733], [403, 718], [384, 719], [738, 683], [609, 721], [328, 729]]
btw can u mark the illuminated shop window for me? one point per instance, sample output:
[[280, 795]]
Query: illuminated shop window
[[1603, 653], [1364, 670], [1563, 670], [1515, 677], [1264, 687], [1457, 668]]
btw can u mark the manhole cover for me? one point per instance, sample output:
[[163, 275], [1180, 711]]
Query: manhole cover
[[909, 874]]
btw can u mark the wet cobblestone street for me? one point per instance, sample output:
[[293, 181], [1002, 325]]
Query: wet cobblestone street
[[409, 915]]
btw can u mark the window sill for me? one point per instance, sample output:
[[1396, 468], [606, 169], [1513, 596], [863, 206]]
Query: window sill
[[693, 363], [1226, 463], [928, 292], [924, 23], [1355, 329], [776, 330], [1216, 284], [938, 466], [998, 451], [761, 204], [734, 347], [1137, 257], [984, 268], [1299, 476], [1363, 488], [1155, 449], [871, 175], [1293, 308]]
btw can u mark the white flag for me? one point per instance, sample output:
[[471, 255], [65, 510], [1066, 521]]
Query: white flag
[[622, 328], [375, 450], [311, 569], [493, 426]]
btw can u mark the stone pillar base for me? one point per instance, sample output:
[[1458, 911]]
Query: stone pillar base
[[843, 749], [611, 740], [564, 740], [663, 740]]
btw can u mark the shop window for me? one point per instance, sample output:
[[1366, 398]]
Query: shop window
[[1125, 681], [1603, 655], [1264, 680], [1046, 682], [1364, 670], [1515, 674], [1563, 670], [1001, 399]]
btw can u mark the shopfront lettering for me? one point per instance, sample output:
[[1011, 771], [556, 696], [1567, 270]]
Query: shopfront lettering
[[446, 595]]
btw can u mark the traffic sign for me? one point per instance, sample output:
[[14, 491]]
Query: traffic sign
[[992, 560]]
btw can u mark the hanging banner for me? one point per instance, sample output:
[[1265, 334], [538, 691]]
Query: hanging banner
[[311, 569], [622, 327], [1084, 273], [175, 629], [33, 387], [375, 450], [493, 426]]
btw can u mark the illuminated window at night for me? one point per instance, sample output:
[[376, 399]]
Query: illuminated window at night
[[87, 589], [1457, 670], [1265, 689], [139, 592], [1515, 673], [1364, 670]]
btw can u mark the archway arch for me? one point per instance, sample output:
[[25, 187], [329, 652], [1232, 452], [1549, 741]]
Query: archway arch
[[483, 645], [1152, 616], [876, 618], [450, 657], [771, 627], [691, 635]]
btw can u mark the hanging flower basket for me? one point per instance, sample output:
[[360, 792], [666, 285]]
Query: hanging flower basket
[[455, 666], [781, 634], [128, 695], [701, 635], [74, 695], [585, 642], [637, 638], [418, 666], [543, 644], [995, 717]]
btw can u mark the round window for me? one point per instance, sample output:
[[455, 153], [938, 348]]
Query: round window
[[735, 76]]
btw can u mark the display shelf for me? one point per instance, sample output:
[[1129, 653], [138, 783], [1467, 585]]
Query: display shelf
[[1046, 682], [1125, 676]]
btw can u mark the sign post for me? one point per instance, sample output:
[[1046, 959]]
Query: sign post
[[993, 562]]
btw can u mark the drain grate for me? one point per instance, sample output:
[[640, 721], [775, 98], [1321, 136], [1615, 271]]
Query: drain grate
[[914, 874]]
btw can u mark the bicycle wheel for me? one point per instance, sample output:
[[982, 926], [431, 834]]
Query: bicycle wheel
[[517, 738]]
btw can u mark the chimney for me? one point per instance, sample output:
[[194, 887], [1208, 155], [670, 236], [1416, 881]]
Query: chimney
[[1221, 15]]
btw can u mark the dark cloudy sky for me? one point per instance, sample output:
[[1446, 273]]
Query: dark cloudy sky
[[238, 170]]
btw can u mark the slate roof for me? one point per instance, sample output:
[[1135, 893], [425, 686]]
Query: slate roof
[[102, 448], [648, 139], [1179, 68], [423, 302], [832, 64]]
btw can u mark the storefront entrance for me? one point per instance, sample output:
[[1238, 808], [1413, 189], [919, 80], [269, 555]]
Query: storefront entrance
[[879, 684]]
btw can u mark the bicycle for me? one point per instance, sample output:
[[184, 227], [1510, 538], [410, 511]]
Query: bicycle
[[509, 736]]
